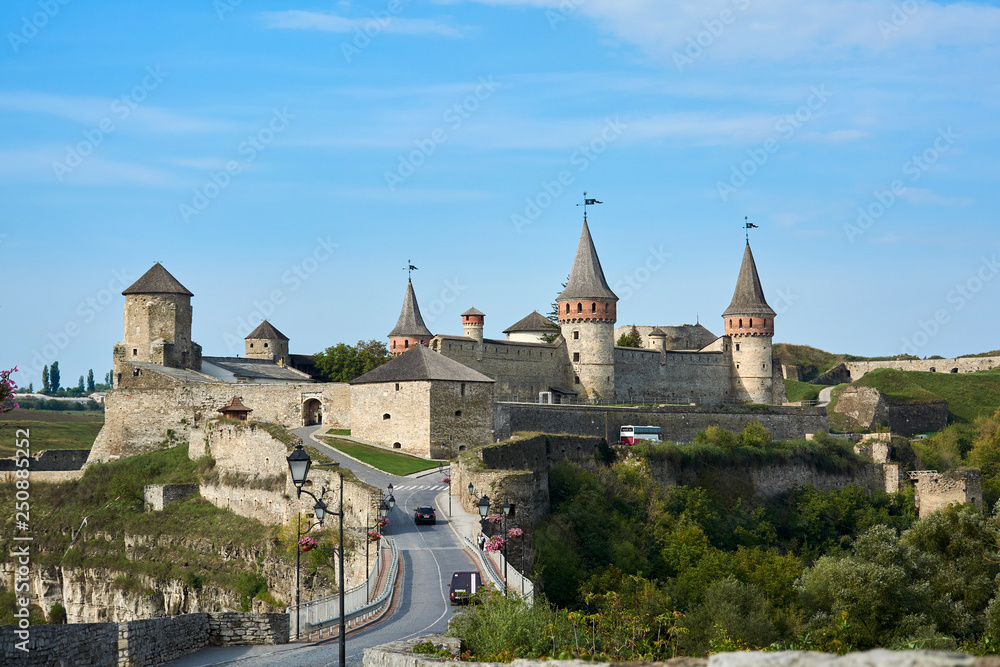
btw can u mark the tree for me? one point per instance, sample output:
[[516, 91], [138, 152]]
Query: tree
[[45, 379], [54, 377], [90, 380], [343, 363], [80, 384], [107, 379], [554, 316], [631, 339]]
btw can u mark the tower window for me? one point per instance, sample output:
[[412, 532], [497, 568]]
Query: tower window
[[134, 352], [741, 323], [593, 307], [576, 379], [567, 309], [458, 413], [730, 323], [576, 356], [406, 343], [251, 344], [394, 345], [397, 386], [751, 323], [579, 307], [461, 390], [737, 347], [576, 335], [265, 344], [385, 417]]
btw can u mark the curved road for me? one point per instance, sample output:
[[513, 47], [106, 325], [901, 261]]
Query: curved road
[[429, 555]]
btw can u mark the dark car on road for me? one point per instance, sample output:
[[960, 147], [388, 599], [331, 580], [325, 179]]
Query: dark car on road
[[425, 515], [463, 586]]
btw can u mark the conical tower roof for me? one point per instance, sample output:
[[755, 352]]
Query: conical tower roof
[[266, 331], [157, 281], [748, 299], [410, 323], [586, 280]]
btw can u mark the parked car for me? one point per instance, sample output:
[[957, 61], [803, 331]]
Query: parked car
[[424, 515], [463, 586]]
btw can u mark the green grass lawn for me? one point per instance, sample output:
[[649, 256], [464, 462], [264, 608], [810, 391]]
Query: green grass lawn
[[969, 395], [384, 460], [51, 430], [339, 431], [802, 391]]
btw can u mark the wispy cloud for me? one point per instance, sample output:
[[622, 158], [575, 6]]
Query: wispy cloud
[[326, 22], [35, 166]]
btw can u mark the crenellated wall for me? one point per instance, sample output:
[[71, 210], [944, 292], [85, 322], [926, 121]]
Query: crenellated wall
[[519, 369], [858, 369]]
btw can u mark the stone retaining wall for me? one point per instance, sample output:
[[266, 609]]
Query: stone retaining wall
[[139, 643], [858, 369], [49, 460]]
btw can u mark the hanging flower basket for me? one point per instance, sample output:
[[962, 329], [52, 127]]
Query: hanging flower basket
[[494, 519], [374, 536], [307, 544], [515, 533]]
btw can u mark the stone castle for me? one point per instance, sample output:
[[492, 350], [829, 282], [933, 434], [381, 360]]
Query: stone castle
[[582, 363], [437, 396]]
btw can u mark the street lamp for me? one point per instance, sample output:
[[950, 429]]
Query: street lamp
[[298, 466], [506, 512], [484, 509], [472, 490]]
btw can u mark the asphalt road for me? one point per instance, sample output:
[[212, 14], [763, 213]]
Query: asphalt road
[[429, 554]]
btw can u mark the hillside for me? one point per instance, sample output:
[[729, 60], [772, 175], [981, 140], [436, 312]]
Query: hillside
[[52, 430], [814, 362], [969, 395]]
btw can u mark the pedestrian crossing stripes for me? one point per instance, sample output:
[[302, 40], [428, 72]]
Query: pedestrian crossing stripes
[[421, 487]]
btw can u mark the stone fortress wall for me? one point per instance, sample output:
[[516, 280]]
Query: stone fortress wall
[[858, 369], [148, 401], [519, 369], [387, 413]]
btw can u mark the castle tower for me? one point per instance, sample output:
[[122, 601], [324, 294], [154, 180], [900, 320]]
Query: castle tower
[[587, 314], [158, 323], [658, 339], [410, 329], [472, 324], [749, 325], [266, 342]]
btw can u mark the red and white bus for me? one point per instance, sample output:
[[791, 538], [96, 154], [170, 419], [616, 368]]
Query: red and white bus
[[630, 434]]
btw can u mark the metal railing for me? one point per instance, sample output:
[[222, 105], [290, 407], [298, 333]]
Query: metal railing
[[325, 611], [493, 571]]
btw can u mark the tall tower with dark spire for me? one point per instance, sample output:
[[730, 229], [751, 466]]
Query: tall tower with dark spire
[[158, 323], [410, 329], [749, 325], [587, 314]]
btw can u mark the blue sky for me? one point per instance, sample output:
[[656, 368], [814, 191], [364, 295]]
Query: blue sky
[[289, 159]]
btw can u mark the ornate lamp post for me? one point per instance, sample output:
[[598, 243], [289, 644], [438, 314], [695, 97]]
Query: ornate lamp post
[[484, 509], [298, 465], [506, 512]]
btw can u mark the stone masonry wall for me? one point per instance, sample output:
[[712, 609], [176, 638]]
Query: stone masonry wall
[[867, 408], [143, 408], [393, 414], [463, 417], [158, 496], [960, 365], [139, 643], [937, 490], [51, 460], [679, 423], [519, 369], [85, 645]]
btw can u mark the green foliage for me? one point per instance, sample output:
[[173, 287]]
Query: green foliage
[[969, 395], [802, 391], [343, 363], [632, 338], [383, 459], [9, 606], [54, 377], [57, 614], [428, 648], [249, 585], [45, 379], [732, 613], [90, 380]]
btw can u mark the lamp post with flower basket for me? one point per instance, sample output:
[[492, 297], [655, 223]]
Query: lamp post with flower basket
[[298, 465]]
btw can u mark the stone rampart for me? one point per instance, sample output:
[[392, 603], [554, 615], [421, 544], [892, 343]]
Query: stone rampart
[[145, 409], [858, 369], [868, 408], [678, 422], [51, 460], [400, 654], [519, 369], [139, 643]]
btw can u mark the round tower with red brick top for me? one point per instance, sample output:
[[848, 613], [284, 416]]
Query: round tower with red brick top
[[749, 326], [410, 329], [472, 324], [587, 315]]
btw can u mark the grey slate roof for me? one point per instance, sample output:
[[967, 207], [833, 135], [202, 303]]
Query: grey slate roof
[[257, 369], [473, 311], [265, 330], [410, 323], [420, 363], [533, 322], [157, 281], [657, 331], [586, 280], [183, 374], [748, 299]]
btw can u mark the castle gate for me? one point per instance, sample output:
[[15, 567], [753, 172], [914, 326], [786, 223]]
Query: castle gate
[[312, 412]]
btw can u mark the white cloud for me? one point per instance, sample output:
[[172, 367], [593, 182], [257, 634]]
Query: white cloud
[[325, 22]]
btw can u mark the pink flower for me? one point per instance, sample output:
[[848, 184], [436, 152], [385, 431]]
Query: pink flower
[[494, 518], [494, 544], [515, 533]]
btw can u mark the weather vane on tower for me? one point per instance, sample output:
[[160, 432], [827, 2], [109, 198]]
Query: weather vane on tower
[[586, 203], [748, 226], [409, 268]]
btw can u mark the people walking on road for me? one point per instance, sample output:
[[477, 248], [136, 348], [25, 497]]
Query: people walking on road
[[481, 541]]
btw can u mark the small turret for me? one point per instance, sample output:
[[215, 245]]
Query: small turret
[[266, 342], [658, 339], [410, 329], [472, 324]]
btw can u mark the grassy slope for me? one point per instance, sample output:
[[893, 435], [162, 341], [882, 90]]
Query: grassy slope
[[51, 430], [805, 356], [969, 395], [802, 391]]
